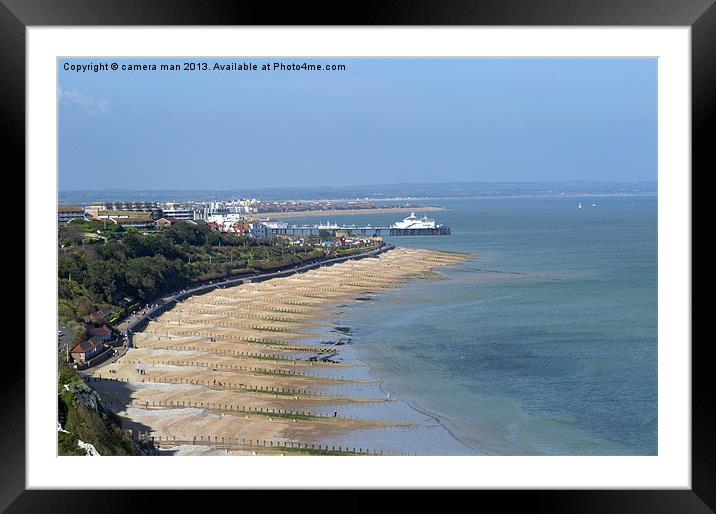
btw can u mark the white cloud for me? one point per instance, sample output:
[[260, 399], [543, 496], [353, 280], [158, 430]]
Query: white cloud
[[88, 103]]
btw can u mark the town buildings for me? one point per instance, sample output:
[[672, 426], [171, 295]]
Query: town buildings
[[67, 213], [87, 349], [152, 208], [103, 333], [165, 222], [135, 222], [261, 231], [178, 211]]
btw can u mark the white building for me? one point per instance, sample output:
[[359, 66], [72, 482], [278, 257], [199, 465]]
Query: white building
[[179, 213], [225, 221], [151, 207], [276, 225], [240, 206], [200, 212], [261, 231]]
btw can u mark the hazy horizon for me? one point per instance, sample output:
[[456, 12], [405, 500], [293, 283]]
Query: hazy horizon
[[358, 185], [502, 185], [428, 190]]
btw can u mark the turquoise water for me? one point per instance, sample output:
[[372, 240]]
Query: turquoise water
[[544, 343]]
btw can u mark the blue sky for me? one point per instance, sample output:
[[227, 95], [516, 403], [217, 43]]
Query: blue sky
[[380, 121]]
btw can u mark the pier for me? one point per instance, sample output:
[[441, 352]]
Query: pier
[[352, 230]]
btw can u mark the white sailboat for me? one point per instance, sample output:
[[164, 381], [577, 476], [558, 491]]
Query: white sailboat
[[579, 206]]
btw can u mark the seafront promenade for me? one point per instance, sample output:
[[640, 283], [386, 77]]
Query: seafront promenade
[[135, 321], [260, 361]]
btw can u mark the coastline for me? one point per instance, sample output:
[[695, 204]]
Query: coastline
[[344, 212], [442, 421], [244, 369]]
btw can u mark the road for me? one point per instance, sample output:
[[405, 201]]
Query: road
[[64, 340]]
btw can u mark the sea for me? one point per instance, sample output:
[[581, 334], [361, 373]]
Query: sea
[[544, 342]]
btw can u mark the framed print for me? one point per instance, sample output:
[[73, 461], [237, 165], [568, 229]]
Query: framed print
[[426, 247]]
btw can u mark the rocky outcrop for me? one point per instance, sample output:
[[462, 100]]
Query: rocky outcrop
[[86, 396]]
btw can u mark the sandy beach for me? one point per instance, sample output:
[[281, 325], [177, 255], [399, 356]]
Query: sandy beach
[[242, 370], [343, 212]]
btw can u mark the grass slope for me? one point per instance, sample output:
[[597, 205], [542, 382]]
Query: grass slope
[[83, 416]]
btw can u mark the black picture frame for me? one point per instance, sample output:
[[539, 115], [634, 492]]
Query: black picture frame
[[700, 15]]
